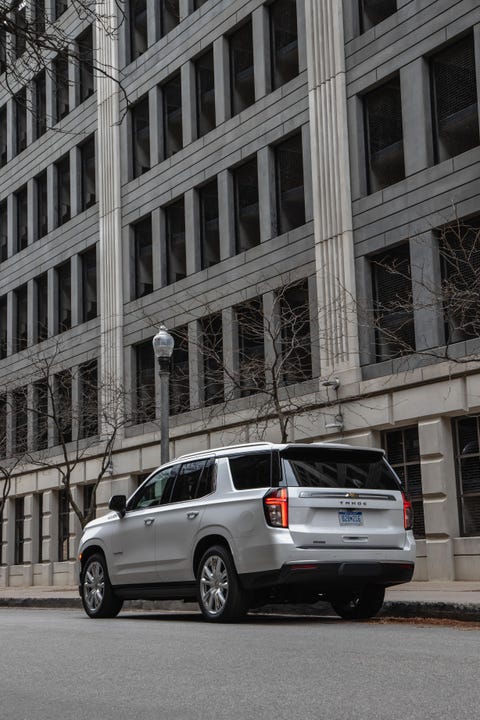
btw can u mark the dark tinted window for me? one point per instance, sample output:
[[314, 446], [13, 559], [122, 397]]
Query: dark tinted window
[[155, 491], [251, 470], [193, 481], [333, 468]]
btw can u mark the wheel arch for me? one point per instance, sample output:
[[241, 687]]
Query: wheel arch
[[207, 542], [89, 551]]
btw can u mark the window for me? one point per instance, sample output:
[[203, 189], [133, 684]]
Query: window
[[19, 421], [384, 136], [61, 86], [193, 481], [20, 109], [3, 136], [179, 373], [467, 461], [290, 191], [88, 424], [212, 352], [142, 249], [3, 426], [205, 82], [172, 116], [459, 246], [85, 58], [454, 99], [88, 261], [19, 530], [169, 15], [242, 83], [156, 490], [373, 12], [87, 165], [251, 470], [21, 327], [140, 137], [88, 499], [296, 351], [39, 15], [144, 382], [21, 207], [284, 41], [63, 526], [40, 100], [393, 303], [64, 295], [41, 307], [3, 327], [62, 170], [403, 452], [251, 346], [3, 231], [175, 241], [59, 7], [247, 218], [198, 4], [209, 225], [20, 35], [40, 415], [138, 28], [3, 50], [62, 406], [41, 196]]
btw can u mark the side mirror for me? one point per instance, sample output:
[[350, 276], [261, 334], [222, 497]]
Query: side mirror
[[118, 503]]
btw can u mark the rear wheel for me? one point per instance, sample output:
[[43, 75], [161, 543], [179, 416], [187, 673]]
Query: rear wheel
[[358, 604], [97, 594], [219, 592]]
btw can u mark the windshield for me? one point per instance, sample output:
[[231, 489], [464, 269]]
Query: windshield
[[337, 468]]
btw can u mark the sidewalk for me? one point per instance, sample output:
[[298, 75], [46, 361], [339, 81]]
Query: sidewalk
[[451, 600]]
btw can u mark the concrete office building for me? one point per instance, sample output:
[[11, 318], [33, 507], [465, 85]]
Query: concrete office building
[[257, 150]]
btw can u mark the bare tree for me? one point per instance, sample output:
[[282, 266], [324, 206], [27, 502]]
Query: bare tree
[[58, 428]]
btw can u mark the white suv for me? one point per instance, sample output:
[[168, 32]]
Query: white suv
[[238, 527]]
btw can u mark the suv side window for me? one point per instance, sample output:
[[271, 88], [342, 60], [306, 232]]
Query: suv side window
[[155, 491], [193, 481], [251, 470]]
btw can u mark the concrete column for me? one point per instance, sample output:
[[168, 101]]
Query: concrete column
[[333, 224], [230, 352], [221, 64], [427, 291], [192, 232], [10, 323], [50, 525], [11, 133], [52, 302], [185, 7], [195, 365], [439, 496], [314, 328], [30, 113], [76, 284], [153, 22], [266, 194], [11, 225], [155, 120], [416, 116], [76, 402], [189, 109], [226, 209], [156, 248], [261, 51], [75, 181], [51, 197], [302, 35], [31, 214], [272, 332], [307, 173], [366, 330]]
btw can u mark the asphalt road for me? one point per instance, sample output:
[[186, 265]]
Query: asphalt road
[[58, 664]]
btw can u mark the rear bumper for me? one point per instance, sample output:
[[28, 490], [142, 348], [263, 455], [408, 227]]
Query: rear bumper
[[327, 576]]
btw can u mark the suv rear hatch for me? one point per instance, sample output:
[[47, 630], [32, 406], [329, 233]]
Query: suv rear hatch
[[342, 498]]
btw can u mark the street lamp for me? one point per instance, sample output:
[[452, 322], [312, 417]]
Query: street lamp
[[163, 344]]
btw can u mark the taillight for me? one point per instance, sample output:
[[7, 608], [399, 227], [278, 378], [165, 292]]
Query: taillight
[[407, 513], [275, 504]]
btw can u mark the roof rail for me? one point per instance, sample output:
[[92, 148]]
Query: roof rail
[[225, 447]]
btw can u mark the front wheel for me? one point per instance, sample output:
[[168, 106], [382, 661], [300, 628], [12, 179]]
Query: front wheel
[[358, 604], [220, 595], [97, 594]]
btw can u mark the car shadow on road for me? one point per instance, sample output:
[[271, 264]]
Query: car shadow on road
[[253, 619]]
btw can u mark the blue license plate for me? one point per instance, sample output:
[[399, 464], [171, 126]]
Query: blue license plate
[[350, 517]]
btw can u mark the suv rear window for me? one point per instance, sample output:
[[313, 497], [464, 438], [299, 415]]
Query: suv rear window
[[334, 468], [251, 470]]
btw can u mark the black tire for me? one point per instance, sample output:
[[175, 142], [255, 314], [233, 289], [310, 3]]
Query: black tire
[[219, 593], [98, 598], [358, 604]]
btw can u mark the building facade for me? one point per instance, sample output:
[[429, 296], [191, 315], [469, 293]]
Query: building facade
[[278, 182]]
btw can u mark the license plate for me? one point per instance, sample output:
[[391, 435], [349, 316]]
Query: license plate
[[350, 517]]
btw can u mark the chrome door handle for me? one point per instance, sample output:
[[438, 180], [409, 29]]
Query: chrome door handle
[[149, 521], [191, 515]]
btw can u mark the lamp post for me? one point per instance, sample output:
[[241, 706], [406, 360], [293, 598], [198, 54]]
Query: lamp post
[[163, 344]]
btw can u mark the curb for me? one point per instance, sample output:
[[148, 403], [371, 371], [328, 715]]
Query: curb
[[391, 608]]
